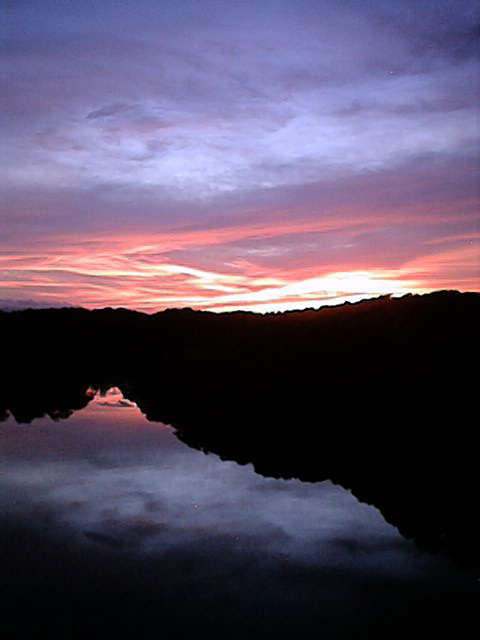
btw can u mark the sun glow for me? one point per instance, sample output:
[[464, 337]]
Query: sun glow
[[132, 272], [140, 279], [330, 289]]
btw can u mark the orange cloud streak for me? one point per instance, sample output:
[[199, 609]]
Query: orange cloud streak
[[135, 272]]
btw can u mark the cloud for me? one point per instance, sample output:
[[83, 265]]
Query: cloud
[[246, 107], [108, 110], [97, 247], [231, 138]]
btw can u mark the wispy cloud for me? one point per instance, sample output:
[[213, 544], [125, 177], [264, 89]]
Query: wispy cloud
[[119, 272], [270, 143]]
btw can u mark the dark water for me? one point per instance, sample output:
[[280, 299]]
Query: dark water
[[110, 524]]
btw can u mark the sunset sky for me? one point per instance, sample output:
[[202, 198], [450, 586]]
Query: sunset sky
[[220, 154]]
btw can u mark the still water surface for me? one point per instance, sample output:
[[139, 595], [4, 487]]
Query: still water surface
[[111, 523]]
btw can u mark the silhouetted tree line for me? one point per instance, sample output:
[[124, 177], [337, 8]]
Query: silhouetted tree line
[[378, 396]]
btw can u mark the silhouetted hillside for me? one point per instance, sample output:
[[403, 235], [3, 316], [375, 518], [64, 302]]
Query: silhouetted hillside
[[378, 396]]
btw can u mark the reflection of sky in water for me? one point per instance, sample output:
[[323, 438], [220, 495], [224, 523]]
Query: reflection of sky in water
[[110, 485]]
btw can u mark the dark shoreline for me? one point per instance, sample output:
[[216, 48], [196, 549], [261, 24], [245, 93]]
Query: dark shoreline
[[377, 396]]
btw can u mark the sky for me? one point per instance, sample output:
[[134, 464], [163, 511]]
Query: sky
[[230, 155]]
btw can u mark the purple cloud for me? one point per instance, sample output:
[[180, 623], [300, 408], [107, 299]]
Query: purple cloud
[[151, 119]]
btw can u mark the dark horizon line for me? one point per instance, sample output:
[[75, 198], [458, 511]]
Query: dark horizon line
[[383, 296]]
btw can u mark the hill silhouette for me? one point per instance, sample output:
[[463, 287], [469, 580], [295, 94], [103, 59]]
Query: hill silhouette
[[377, 396]]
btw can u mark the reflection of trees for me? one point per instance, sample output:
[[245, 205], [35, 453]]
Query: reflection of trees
[[376, 396]]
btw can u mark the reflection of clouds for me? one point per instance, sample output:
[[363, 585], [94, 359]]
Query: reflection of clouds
[[113, 507], [117, 403], [151, 511], [112, 397], [231, 583], [135, 484]]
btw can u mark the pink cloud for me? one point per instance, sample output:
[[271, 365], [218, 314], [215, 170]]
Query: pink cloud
[[126, 271]]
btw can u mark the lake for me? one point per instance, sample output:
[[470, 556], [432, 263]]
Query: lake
[[111, 524]]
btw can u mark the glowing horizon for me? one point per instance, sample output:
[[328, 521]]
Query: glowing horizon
[[129, 279], [119, 272]]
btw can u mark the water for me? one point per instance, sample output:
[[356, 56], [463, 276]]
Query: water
[[110, 523]]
